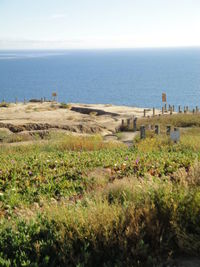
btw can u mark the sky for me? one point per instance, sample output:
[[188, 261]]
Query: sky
[[98, 24]]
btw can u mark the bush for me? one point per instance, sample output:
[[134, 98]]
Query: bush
[[66, 106], [4, 105]]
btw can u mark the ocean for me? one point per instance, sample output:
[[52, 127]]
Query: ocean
[[133, 77]]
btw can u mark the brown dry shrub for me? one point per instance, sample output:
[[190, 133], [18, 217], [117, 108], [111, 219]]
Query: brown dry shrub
[[190, 178]]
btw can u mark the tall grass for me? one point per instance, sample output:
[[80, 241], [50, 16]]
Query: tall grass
[[88, 143], [177, 120], [140, 223]]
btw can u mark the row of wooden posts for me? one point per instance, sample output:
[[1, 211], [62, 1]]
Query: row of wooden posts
[[132, 124], [156, 130], [171, 109], [128, 124]]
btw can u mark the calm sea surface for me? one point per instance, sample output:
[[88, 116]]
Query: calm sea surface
[[124, 77]]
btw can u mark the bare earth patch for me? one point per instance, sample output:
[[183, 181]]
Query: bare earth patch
[[31, 119]]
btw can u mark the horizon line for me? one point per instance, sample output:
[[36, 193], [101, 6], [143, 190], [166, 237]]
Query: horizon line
[[98, 48]]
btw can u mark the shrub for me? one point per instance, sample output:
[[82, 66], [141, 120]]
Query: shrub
[[66, 106], [4, 105]]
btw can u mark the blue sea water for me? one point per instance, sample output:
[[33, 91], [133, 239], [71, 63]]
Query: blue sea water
[[135, 77]]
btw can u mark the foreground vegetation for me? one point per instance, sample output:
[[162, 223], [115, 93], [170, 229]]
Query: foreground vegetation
[[82, 202]]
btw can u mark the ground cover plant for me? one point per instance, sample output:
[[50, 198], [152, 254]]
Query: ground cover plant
[[83, 202]]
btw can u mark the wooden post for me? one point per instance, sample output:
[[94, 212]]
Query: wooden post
[[142, 132], [193, 111], [123, 124], [165, 107], [179, 109], [128, 124], [184, 109], [169, 108], [144, 112], [168, 129], [154, 112], [135, 125], [173, 109], [187, 108], [157, 129], [162, 110], [197, 109]]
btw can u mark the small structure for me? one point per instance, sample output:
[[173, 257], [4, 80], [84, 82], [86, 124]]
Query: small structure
[[175, 135]]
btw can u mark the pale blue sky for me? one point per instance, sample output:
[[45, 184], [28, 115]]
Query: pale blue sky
[[98, 23]]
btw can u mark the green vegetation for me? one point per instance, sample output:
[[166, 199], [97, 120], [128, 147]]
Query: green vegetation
[[3, 134], [66, 106], [8, 137], [4, 104], [79, 201]]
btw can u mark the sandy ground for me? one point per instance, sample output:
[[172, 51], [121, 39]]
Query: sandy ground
[[94, 118]]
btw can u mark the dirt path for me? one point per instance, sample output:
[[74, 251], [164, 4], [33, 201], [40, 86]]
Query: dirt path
[[128, 137], [123, 137]]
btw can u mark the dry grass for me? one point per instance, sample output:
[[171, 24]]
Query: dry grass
[[190, 177], [176, 120], [93, 114], [152, 143], [70, 142]]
